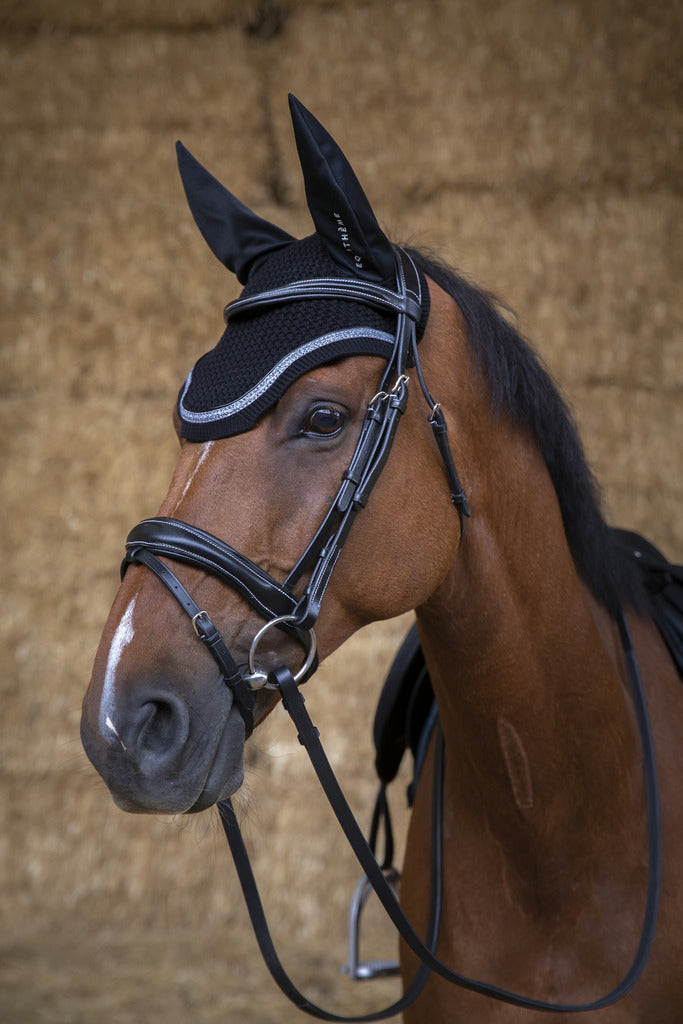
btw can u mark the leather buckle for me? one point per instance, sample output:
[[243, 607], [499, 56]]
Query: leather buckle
[[201, 633]]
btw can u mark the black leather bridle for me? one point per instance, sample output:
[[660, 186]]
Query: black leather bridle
[[277, 605], [275, 602]]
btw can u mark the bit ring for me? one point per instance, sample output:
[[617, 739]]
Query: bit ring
[[258, 679]]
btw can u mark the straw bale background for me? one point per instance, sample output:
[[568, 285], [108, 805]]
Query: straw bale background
[[536, 143]]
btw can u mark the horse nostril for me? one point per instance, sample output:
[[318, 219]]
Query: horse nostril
[[163, 728]]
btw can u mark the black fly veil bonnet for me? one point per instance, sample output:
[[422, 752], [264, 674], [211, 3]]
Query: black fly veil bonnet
[[266, 347]]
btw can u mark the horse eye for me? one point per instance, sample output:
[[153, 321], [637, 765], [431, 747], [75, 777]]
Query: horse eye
[[323, 421]]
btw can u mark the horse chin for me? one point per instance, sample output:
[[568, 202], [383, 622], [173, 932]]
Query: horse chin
[[224, 778]]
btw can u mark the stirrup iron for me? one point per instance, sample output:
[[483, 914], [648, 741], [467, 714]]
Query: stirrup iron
[[366, 970]]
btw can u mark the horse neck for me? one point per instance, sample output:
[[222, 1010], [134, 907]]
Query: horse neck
[[541, 748]]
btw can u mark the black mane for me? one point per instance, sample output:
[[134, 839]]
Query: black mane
[[524, 389]]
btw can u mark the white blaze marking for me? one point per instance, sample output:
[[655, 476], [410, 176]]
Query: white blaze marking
[[113, 728], [206, 448], [122, 637]]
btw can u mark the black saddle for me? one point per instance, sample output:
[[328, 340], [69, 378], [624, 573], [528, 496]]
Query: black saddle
[[663, 584]]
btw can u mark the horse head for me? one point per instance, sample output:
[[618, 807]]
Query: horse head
[[284, 428]]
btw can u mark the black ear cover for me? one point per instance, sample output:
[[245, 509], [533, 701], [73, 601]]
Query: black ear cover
[[239, 238], [340, 209]]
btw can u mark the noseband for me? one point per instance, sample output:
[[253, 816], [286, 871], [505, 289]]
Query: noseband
[[275, 602]]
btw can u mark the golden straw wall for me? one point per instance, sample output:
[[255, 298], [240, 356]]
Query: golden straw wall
[[535, 143]]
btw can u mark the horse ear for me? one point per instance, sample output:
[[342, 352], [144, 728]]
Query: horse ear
[[341, 212], [239, 238]]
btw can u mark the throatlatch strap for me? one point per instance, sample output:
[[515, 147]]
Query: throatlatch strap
[[458, 496]]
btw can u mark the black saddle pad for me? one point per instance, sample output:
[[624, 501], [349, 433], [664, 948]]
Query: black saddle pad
[[663, 583]]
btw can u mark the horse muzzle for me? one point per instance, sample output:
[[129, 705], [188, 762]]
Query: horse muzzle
[[159, 754]]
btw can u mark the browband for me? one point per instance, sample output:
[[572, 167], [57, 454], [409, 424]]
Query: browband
[[334, 288]]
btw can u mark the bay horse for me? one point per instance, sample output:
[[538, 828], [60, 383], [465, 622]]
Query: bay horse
[[288, 429]]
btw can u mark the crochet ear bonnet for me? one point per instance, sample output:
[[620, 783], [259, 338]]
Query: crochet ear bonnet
[[263, 350]]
